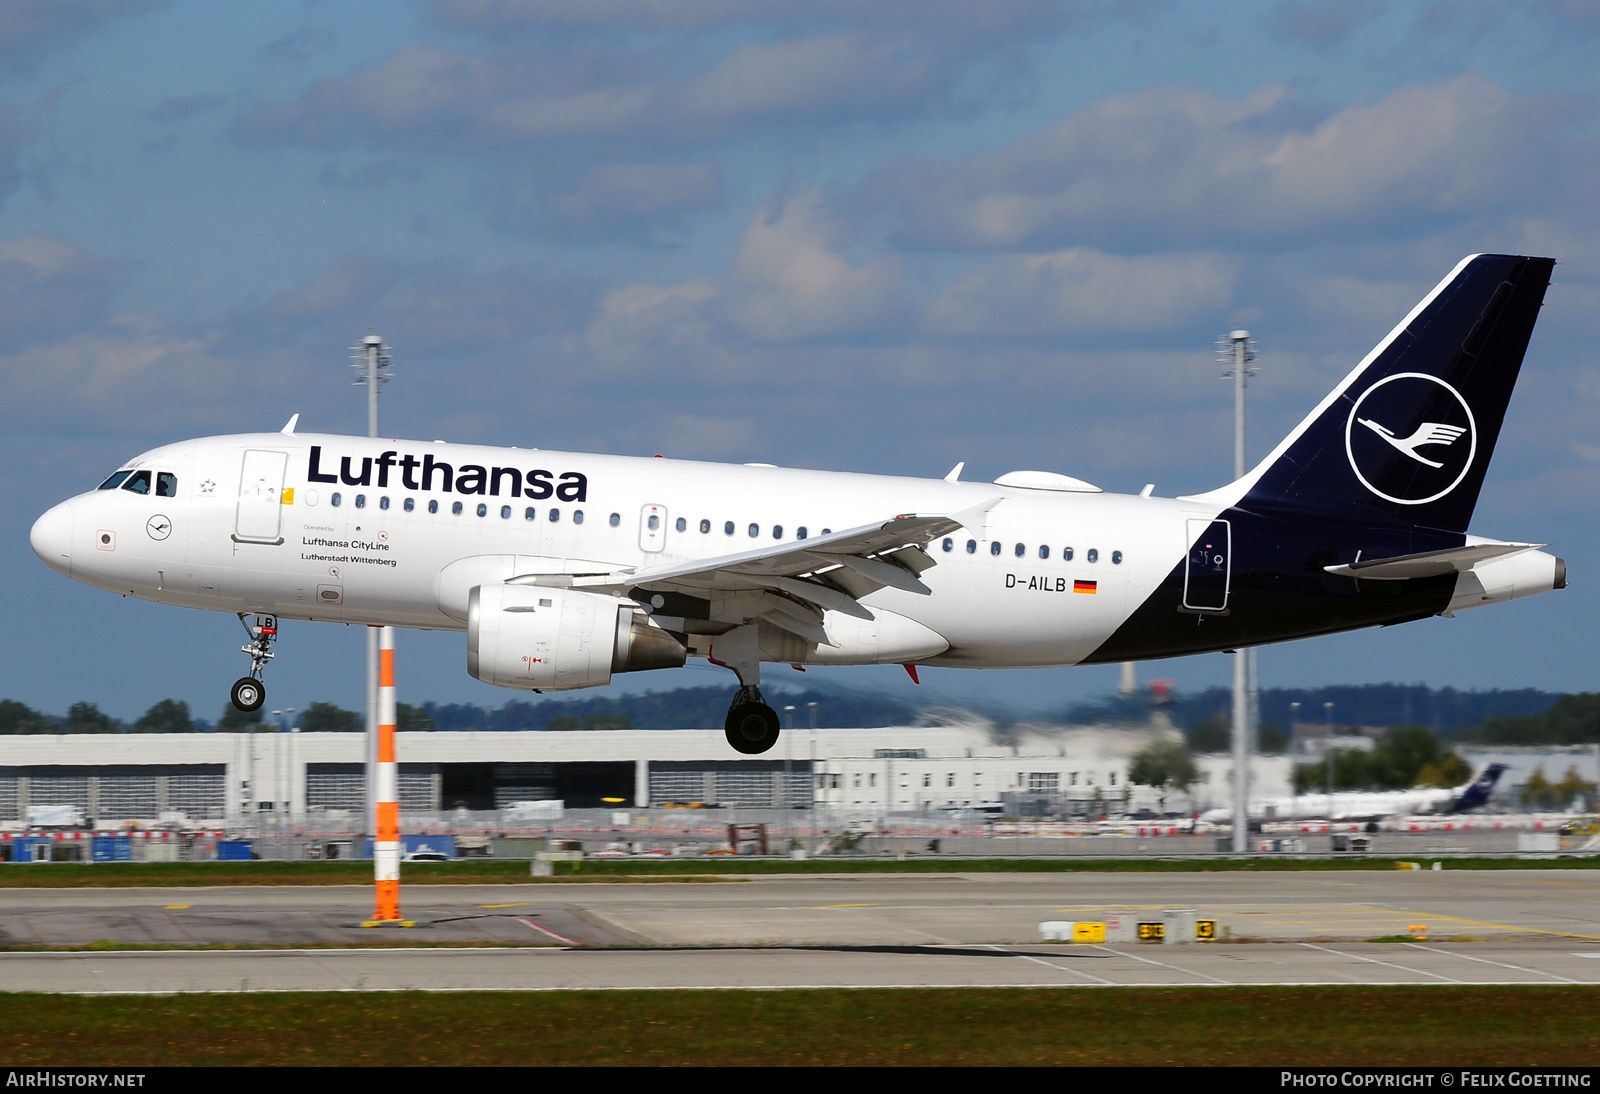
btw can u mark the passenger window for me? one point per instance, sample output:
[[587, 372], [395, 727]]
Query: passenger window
[[455, 508], [139, 482], [1116, 558], [1019, 550], [335, 498], [1066, 554], [483, 510], [433, 506], [577, 516], [616, 518], [994, 548], [755, 530], [530, 513], [1044, 552], [653, 522], [411, 503], [361, 501], [777, 531], [555, 515], [800, 532], [727, 528], [1093, 555], [383, 502], [949, 544], [115, 480], [166, 485], [505, 512], [827, 531], [705, 526], [681, 525], [972, 546]]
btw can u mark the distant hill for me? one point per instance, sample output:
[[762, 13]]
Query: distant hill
[[1446, 711], [1520, 716], [681, 708]]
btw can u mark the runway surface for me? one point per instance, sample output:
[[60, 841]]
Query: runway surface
[[1524, 926], [853, 967]]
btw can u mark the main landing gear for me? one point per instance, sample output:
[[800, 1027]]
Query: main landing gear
[[249, 693], [752, 725]]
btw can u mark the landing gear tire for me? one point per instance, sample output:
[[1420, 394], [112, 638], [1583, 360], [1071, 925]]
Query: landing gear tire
[[752, 728], [249, 694]]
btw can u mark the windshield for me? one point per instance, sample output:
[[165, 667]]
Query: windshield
[[115, 480]]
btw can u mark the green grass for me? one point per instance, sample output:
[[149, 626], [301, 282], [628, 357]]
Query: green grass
[[72, 875], [1270, 1026]]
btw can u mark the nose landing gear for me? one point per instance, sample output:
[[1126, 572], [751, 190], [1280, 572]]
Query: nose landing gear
[[249, 693]]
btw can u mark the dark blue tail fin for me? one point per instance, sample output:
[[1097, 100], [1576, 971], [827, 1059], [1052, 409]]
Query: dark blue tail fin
[[1406, 438], [1478, 793]]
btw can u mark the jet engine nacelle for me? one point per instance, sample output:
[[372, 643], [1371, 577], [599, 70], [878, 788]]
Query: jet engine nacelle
[[545, 639]]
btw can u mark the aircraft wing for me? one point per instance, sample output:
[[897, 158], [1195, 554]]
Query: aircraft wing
[[791, 584], [1430, 563]]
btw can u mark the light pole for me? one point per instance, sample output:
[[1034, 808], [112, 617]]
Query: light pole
[[788, 766], [811, 837], [1327, 755], [1294, 782], [370, 357], [1237, 354], [284, 770]]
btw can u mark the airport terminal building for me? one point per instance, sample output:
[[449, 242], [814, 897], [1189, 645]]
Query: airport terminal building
[[219, 778]]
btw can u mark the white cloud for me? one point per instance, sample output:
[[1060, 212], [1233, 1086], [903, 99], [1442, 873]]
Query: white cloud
[[1173, 167], [555, 103], [790, 281], [1083, 292]]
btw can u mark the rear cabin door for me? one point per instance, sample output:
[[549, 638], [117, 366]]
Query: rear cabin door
[[1205, 582], [652, 528], [261, 497]]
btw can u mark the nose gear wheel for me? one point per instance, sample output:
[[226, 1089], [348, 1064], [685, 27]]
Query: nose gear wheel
[[249, 694]]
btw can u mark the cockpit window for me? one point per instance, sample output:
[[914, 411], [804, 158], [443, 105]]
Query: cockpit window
[[166, 485], [115, 480], [138, 482]]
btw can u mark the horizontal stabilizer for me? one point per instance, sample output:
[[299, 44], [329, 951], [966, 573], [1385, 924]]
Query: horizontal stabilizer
[[1431, 563]]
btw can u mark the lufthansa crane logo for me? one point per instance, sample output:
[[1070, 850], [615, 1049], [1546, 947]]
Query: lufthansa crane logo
[[1411, 438]]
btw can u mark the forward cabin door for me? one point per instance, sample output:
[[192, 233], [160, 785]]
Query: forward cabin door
[[260, 517], [1205, 580], [652, 528]]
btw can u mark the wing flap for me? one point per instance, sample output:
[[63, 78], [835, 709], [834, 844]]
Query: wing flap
[[829, 572]]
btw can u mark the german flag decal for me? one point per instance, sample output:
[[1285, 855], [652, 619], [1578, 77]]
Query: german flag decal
[[1084, 587]]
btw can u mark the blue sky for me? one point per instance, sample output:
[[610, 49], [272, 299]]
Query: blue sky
[[879, 236]]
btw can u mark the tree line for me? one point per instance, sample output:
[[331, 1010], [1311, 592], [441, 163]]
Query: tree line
[[681, 708]]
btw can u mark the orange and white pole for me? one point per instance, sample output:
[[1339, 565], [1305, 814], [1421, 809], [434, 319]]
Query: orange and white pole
[[386, 845]]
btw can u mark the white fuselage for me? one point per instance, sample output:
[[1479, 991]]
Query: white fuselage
[[358, 554]]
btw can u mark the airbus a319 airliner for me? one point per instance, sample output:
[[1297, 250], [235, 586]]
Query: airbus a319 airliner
[[564, 569]]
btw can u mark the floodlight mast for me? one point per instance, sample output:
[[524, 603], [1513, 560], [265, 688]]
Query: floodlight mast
[[370, 357], [1236, 352]]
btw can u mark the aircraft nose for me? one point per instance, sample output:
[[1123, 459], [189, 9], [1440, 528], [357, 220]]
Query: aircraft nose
[[51, 538]]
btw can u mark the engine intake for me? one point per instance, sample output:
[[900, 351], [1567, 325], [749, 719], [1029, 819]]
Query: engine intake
[[544, 639]]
